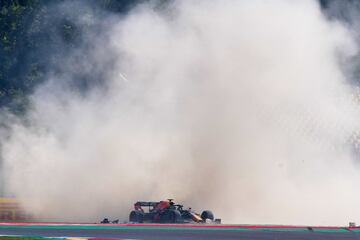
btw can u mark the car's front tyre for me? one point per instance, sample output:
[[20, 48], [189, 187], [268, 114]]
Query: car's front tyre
[[207, 215]]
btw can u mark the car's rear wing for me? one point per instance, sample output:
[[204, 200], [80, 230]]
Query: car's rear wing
[[146, 204]]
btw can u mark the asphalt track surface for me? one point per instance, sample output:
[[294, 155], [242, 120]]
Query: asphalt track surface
[[178, 231]]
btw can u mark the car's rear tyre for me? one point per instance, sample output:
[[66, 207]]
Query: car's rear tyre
[[207, 215], [136, 216], [171, 216], [175, 216]]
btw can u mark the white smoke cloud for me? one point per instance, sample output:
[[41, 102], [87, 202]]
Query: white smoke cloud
[[236, 106]]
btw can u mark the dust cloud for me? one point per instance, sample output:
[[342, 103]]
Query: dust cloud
[[240, 107]]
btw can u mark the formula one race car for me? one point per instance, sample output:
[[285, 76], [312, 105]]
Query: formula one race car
[[168, 212]]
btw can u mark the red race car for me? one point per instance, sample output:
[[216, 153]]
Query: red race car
[[168, 212]]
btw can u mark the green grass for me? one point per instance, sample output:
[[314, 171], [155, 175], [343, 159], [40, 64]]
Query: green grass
[[27, 238]]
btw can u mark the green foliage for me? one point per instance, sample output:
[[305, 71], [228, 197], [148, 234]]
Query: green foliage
[[27, 238], [13, 32], [34, 35]]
